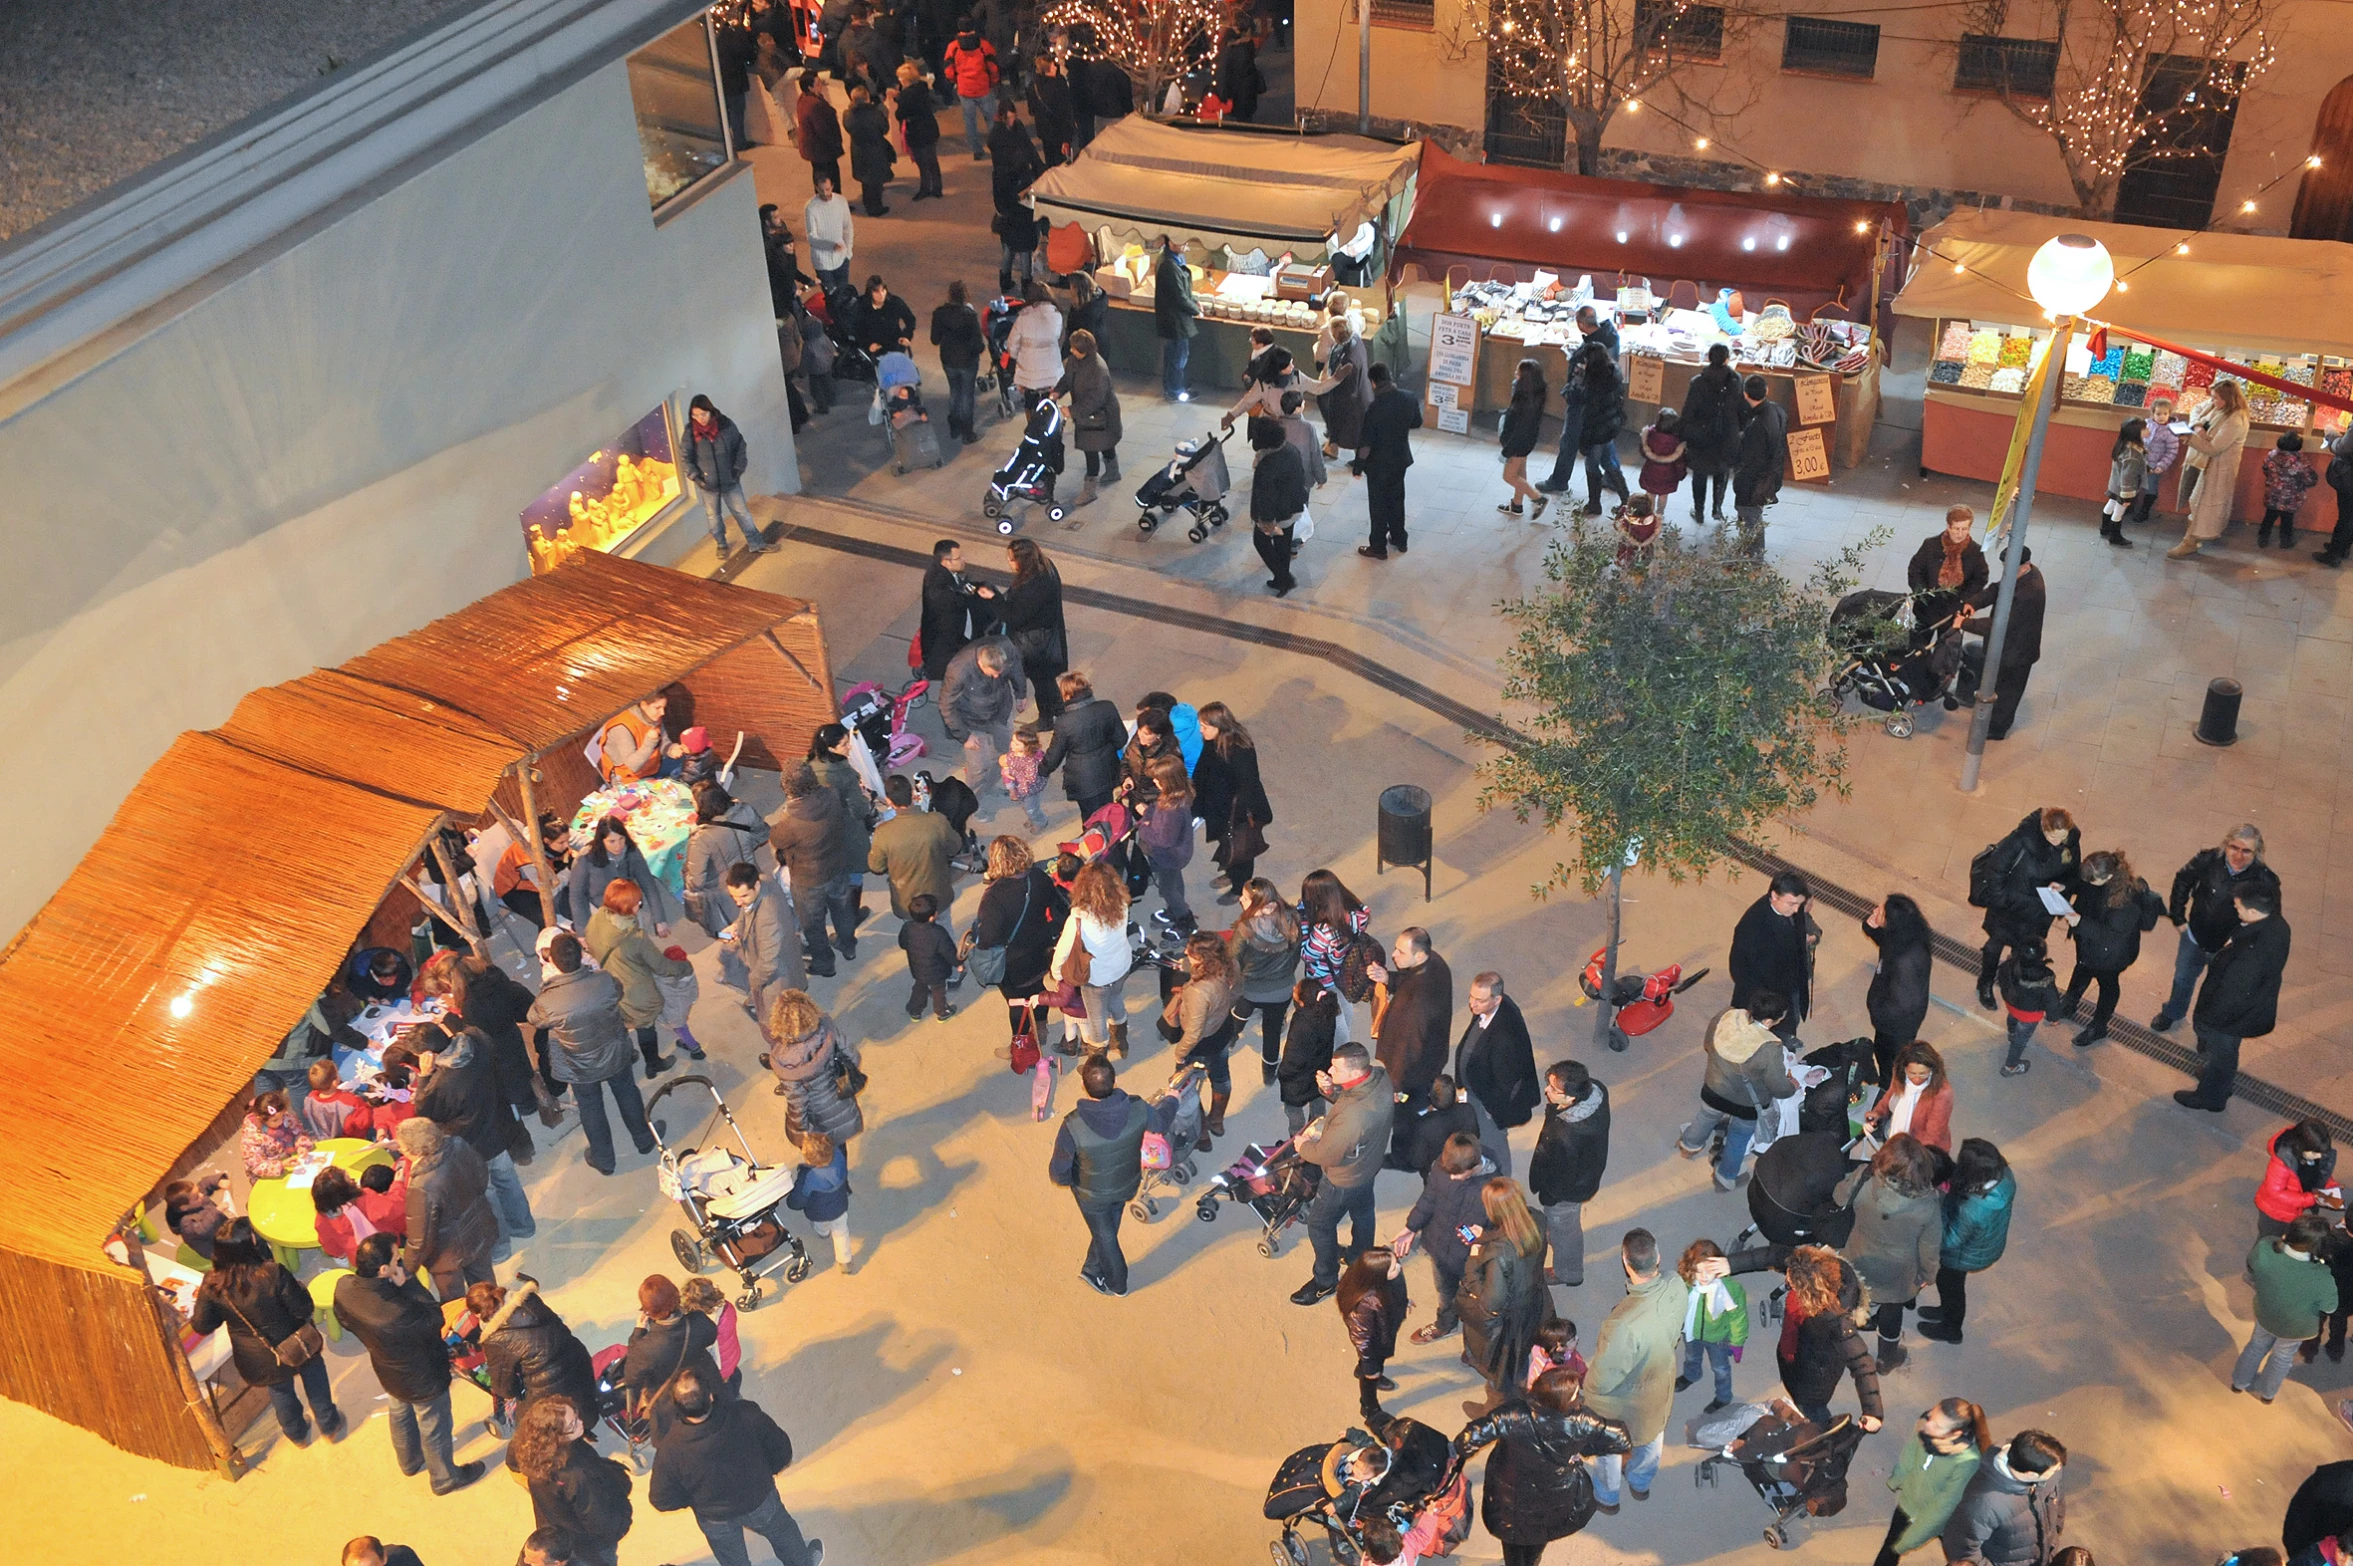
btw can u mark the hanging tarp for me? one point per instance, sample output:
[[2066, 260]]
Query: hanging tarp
[[1227, 189]]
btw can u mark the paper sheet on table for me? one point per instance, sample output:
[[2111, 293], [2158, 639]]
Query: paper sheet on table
[[306, 1170], [2051, 900]]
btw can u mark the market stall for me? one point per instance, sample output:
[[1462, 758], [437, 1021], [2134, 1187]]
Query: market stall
[[1270, 224], [2280, 306], [136, 1006], [1793, 284]]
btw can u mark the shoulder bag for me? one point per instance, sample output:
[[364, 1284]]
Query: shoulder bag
[[297, 1349], [987, 963]]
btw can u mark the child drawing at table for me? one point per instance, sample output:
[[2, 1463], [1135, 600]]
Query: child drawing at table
[[271, 1139], [330, 1106]]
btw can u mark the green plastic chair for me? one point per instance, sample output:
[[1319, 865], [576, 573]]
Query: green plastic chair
[[322, 1296]]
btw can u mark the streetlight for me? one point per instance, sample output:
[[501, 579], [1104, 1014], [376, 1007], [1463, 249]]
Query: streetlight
[[2069, 275]]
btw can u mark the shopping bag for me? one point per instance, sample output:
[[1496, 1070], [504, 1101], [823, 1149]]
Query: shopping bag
[[1306, 528], [874, 414]]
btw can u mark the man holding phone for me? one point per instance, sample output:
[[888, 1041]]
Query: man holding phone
[[1347, 1145]]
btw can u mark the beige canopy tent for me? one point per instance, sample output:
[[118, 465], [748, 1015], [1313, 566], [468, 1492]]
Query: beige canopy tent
[[1237, 189], [2247, 291]]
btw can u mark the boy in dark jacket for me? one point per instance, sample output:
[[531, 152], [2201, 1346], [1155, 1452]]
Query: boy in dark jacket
[[931, 957], [1572, 1150], [1447, 1221], [1307, 1050], [1446, 1114], [720, 1459], [2239, 998], [2029, 993]]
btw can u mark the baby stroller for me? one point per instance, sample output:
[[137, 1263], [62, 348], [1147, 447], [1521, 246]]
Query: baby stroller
[[637, 1435], [1885, 665], [1027, 478], [1795, 1466], [997, 324], [1194, 481], [461, 1337], [850, 361], [899, 386], [1790, 1196], [735, 1204], [880, 717], [952, 800], [1183, 1133], [1404, 1470], [1274, 1181]]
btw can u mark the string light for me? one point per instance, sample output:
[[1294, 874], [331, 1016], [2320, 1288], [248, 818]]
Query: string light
[[1701, 144], [2246, 206], [1155, 41], [1772, 179]]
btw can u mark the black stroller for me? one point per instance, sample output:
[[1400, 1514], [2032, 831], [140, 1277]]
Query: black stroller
[[1275, 1182], [1796, 1466], [850, 361], [1027, 478], [1195, 481], [1883, 664], [1791, 1196], [1400, 1472], [997, 324]]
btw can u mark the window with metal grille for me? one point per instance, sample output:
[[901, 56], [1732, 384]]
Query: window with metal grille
[[1402, 13], [1691, 32], [2188, 107], [2014, 67], [1828, 47]]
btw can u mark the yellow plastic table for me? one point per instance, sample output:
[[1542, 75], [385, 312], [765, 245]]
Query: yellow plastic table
[[286, 1218]]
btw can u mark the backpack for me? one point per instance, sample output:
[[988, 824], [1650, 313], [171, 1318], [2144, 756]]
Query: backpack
[[1986, 874], [1361, 952]]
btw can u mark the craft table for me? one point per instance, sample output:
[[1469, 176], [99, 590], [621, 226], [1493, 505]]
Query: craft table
[[285, 1217], [659, 813]]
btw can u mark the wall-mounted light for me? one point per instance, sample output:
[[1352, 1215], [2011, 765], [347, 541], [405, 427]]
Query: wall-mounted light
[[1862, 226], [1781, 243], [2246, 206], [1701, 144], [1674, 241], [1495, 220], [1749, 243], [1554, 225]]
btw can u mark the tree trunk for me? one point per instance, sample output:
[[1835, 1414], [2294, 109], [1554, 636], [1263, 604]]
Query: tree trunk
[[1608, 1019], [1584, 128]]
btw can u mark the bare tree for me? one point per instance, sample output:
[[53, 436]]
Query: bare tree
[[1590, 59], [2135, 85], [1155, 41]]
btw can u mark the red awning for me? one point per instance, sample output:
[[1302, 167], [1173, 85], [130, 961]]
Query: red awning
[[1505, 221]]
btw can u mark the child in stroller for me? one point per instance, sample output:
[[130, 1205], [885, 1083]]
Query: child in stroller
[[1795, 1466], [1027, 478], [1394, 1495], [1276, 1183], [1195, 481], [1889, 666], [836, 308]]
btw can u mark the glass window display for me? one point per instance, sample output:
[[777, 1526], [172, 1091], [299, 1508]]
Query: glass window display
[[680, 128], [602, 503]]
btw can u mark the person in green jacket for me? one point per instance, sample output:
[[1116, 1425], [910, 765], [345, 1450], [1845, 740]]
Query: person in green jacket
[[1632, 1375], [1931, 1472], [2294, 1292], [1715, 1322]]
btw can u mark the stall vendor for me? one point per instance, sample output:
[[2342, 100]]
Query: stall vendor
[[634, 745]]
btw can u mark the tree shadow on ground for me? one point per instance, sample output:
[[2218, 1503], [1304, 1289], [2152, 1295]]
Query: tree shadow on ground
[[832, 1385]]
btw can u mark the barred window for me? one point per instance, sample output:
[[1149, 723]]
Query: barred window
[[1690, 32], [2015, 67], [1830, 47]]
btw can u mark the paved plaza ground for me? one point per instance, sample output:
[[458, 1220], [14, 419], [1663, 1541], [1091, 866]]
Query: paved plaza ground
[[963, 1398]]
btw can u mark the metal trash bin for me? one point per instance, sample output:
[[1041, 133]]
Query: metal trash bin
[[2218, 723], [1403, 837]]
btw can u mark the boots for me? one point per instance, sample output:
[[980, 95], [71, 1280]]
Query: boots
[[1892, 1355], [1213, 1124], [1086, 494], [655, 1063], [686, 1042], [1111, 467], [1119, 1039]]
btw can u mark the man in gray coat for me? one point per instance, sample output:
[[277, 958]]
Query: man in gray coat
[[451, 1227], [765, 940], [2012, 1514], [580, 1010], [813, 841], [977, 700], [1347, 1145]]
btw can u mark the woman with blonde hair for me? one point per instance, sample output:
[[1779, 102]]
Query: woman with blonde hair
[[1199, 1020], [1094, 954], [808, 1059], [1167, 836], [2217, 437], [1502, 1301]]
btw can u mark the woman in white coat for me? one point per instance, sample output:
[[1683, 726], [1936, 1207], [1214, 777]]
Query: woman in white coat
[[2219, 437], [1036, 343]]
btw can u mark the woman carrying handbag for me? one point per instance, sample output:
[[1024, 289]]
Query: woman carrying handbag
[[271, 1339]]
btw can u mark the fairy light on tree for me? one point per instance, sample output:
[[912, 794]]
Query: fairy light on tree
[[2135, 82], [1589, 60], [1155, 41]]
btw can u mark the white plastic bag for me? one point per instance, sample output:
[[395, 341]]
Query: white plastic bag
[[1305, 529], [874, 409]]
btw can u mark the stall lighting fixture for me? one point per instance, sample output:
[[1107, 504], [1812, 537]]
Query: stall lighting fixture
[[2246, 206], [2181, 250], [1701, 144], [1633, 105], [1555, 225], [1495, 220], [1621, 236], [1772, 179], [1782, 243], [2124, 288], [1863, 227], [184, 1004], [1748, 244], [1674, 241]]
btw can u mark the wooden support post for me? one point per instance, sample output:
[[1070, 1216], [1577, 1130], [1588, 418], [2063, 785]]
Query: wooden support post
[[225, 1455], [416, 889], [468, 908], [547, 874], [799, 667]]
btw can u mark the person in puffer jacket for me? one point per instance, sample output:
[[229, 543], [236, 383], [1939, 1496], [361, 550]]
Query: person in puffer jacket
[[2300, 1174], [1450, 1207], [1747, 1070], [2012, 1514], [528, 1350], [1373, 1304]]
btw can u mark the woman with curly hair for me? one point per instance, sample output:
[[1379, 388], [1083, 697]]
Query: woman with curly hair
[[1021, 912], [571, 1486], [1199, 1020], [1819, 1342], [804, 1060], [1098, 924]]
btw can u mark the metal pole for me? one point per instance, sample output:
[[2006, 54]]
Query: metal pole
[[1607, 1020], [1364, 67], [1982, 717]]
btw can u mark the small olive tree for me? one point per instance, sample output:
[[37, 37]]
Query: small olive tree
[[1665, 707]]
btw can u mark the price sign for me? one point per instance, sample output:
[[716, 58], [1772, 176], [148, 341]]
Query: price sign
[[1455, 421], [1809, 457], [1443, 397], [1454, 350], [1816, 402], [1647, 383]]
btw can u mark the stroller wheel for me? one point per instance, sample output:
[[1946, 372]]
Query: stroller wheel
[[990, 509], [1267, 1248], [749, 1299], [1830, 701], [1181, 1173], [1206, 1210], [688, 1249], [1776, 1538], [1142, 1210], [1899, 725], [1005, 526], [1147, 524], [898, 470], [1218, 516], [1618, 1039], [799, 1268], [1056, 513], [1197, 532]]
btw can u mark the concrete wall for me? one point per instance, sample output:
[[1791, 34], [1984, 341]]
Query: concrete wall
[[1904, 131], [332, 448]]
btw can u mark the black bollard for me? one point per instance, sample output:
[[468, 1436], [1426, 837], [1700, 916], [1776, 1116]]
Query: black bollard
[[1404, 836], [2218, 724]]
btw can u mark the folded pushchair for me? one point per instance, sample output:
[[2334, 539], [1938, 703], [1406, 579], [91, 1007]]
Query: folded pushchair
[[1027, 478], [1401, 1473], [1886, 665], [1183, 1132], [1797, 1468], [951, 799], [1274, 1181], [1194, 481]]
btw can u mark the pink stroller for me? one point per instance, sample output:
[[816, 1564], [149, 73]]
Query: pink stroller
[[1274, 1181], [880, 717]]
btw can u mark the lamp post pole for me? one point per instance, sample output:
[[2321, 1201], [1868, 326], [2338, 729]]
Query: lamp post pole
[[1981, 719], [1364, 67]]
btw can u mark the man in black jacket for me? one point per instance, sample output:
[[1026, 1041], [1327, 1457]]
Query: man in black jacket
[[720, 1459], [948, 608], [1773, 949], [1099, 1156], [1173, 313], [398, 1322], [2202, 908], [1496, 1064], [2240, 998], [1756, 468], [1411, 1014], [1385, 455], [458, 1090], [1278, 493], [2022, 646], [1572, 1150]]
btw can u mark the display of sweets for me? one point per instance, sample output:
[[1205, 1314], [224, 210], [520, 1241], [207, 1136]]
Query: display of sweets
[[2008, 378], [2337, 380], [1955, 345], [2109, 365], [2160, 392], [2140, 364], [2195, 375], [2099, 388], [2017, 350], [2168, 369], [1985, 348], [1947, 372], [1978, 375], [2131, 394], [2302, 372]]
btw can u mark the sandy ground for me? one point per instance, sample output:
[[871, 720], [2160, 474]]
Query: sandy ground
[[964, 1398]]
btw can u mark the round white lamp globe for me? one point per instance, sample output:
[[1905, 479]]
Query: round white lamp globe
[[2070, 274]]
